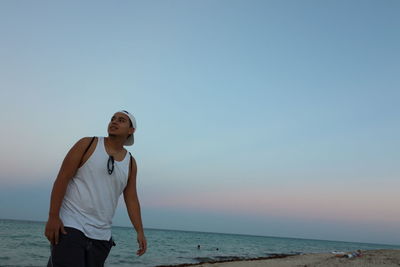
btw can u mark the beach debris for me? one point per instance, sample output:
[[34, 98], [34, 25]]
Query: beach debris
[[355, 254]]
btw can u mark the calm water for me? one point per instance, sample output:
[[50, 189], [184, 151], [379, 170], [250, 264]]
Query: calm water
[[23, 244]]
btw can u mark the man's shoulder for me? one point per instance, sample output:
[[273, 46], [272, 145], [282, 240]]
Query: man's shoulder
[[87, 138], [132, 159], [85, 141]]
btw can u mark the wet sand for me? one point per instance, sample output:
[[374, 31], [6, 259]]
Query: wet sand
[[369, 258]]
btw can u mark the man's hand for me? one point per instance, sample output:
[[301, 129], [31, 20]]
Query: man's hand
[[53, 227], [142, 244]]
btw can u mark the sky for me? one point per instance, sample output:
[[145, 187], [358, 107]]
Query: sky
[[275, 118]]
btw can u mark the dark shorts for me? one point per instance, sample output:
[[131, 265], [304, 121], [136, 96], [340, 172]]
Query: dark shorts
[[74, 249]]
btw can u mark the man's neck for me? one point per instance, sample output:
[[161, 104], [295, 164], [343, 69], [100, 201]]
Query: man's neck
[[115, 143]]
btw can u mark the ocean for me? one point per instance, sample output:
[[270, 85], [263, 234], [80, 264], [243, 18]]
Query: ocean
[[23, 244]]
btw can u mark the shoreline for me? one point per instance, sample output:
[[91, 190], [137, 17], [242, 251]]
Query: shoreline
[[234, 259], [372, 258]]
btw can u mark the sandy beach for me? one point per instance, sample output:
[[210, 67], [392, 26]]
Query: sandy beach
[[370, 258]]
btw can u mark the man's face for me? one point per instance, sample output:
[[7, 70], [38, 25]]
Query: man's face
[[120, 125]]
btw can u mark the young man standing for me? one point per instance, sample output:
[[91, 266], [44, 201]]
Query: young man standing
[[93, 175]]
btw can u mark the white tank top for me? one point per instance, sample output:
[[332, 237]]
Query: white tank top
[[92, 194]]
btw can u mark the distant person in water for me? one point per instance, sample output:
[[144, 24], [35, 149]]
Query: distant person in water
[[93, 175]]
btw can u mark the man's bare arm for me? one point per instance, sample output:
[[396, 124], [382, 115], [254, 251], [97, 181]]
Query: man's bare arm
[[67, 171], [133, 208]]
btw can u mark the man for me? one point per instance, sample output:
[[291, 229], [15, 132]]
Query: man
[[94, 173]]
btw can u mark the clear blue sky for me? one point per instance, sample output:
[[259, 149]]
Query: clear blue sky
[[275, 118]]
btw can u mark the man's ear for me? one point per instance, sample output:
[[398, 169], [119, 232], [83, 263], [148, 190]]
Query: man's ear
[[132, 130]]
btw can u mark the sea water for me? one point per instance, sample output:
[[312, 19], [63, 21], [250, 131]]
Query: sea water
[[23, 244]]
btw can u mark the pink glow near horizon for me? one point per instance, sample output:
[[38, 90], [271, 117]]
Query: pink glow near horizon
[[344, 205]]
